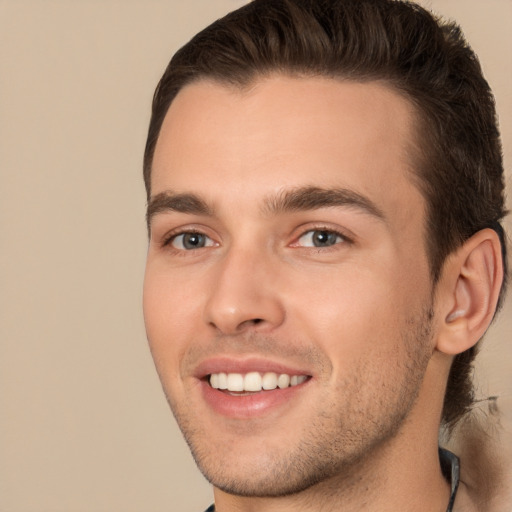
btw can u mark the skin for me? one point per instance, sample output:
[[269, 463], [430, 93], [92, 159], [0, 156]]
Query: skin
[[357, 315]]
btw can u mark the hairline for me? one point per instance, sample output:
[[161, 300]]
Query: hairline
[[413, 150]]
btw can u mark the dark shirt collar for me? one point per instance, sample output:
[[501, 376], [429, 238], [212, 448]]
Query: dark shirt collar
[[450, 466]]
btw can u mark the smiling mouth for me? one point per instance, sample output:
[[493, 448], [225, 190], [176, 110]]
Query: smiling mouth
[[253, 382]]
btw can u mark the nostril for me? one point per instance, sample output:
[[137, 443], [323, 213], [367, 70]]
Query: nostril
[[256, 321]]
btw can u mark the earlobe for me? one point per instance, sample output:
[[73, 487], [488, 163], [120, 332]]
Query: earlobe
[[470, 287]]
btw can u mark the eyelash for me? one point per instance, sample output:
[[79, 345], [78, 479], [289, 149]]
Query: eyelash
[[324, 229], [169, 238]]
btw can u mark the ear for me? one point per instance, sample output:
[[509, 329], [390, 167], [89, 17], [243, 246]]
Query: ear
[[468, 292]]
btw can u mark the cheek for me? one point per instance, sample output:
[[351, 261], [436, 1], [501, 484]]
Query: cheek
[[171, 312], [353, 310]]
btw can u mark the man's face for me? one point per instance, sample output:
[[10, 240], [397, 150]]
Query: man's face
[[287, 253]]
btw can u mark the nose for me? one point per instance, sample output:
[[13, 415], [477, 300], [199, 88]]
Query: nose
[[244, 294]]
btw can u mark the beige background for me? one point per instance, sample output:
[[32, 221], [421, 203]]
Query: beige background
[[84, 425]]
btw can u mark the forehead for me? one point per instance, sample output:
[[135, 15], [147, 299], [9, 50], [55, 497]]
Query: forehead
[[224, 142]]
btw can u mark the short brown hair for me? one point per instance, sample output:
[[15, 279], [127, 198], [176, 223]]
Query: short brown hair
[[459, 166]]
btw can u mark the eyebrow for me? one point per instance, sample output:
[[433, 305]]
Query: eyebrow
[[183, 203], [314, 198], [297, 199]]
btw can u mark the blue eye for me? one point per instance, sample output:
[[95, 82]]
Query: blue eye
[[190, 241], [320, 238]]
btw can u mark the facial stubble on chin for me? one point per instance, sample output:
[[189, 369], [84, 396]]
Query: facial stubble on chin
[[336, 440]]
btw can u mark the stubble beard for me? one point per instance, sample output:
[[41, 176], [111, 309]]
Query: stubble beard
[[338, 441]]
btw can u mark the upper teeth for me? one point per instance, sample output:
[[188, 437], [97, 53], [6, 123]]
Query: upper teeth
[[254, 381]]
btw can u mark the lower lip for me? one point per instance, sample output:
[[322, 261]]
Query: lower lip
[[249, 406]]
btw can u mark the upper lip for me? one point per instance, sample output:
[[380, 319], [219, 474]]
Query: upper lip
[[252, 364]]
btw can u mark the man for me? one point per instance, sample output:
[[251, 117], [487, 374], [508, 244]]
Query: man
[[325, 190]]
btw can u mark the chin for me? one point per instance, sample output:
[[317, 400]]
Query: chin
[[276, 478], [257, 469]]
